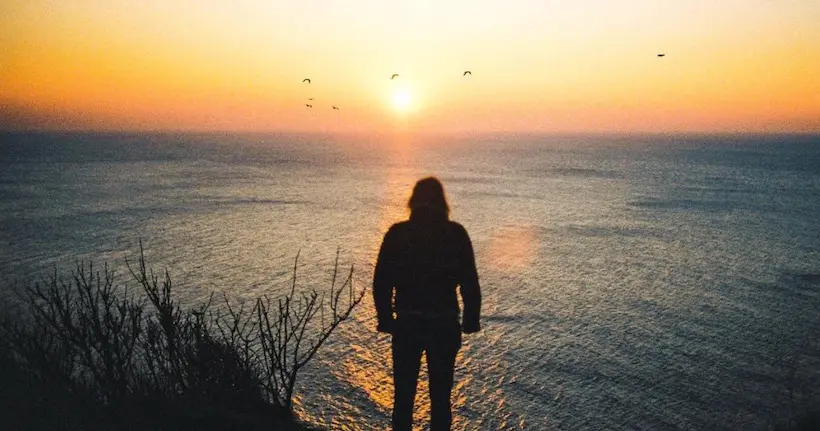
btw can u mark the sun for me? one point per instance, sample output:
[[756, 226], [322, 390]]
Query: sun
[[402, 101]]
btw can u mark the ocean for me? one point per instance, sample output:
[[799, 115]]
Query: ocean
[[658, 282]]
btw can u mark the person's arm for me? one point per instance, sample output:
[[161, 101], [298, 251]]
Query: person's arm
[[470, 290], [383, 283]]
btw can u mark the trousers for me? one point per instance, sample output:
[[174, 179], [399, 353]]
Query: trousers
[[440, 341]]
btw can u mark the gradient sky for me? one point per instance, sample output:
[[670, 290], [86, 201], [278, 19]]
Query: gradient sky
[[538, 65]]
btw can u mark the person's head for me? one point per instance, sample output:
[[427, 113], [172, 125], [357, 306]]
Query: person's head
[[429, 194]]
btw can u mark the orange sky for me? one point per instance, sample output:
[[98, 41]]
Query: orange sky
[[538, 66]]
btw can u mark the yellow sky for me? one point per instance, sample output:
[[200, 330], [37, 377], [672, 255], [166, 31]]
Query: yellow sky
[[538, 66]]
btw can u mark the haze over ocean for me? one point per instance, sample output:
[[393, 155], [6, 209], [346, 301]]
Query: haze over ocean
[[630, 281]]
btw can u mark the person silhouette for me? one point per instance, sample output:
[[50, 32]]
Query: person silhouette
[[422, 260]]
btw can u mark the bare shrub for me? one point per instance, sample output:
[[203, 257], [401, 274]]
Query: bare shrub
[[87, 337]]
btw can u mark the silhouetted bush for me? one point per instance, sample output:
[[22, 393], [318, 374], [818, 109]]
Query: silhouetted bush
[[89, 353]]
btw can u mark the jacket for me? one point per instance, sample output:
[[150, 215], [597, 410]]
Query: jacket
[[423, 260]]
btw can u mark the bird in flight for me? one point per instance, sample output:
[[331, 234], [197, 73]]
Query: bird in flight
[[661, 55], [306, 79], [395, 75], [308, 105], [466, 72], [310, 98], [335, 107]]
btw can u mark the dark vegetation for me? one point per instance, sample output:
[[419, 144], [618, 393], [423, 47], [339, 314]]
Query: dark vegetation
[[86, 352]]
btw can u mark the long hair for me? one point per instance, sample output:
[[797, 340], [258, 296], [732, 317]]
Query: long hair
[[429, 193]]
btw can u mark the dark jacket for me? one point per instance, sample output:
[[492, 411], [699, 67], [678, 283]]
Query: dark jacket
[[424, 259]]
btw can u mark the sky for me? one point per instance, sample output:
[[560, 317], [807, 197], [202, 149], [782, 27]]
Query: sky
[[537, 65]]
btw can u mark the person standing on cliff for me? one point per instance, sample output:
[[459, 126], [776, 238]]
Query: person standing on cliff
[[423, 260]]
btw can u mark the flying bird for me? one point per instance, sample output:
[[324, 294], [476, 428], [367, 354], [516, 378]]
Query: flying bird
[[395, 75], [661, 55], [335, 107], [309, 106], [310, 98], [306, 79], [467, 72]]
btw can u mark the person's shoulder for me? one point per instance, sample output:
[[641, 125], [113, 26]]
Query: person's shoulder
[[398, 227], [457, 228]]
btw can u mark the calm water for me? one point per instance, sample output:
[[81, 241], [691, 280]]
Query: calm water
[[629, 282]]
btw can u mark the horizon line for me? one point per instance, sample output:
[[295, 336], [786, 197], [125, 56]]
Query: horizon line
[[406, 132]]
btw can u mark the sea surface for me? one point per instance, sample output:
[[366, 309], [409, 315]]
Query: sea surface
[[658, 282]]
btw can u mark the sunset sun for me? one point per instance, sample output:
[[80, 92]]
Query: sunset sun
[[402, 101]]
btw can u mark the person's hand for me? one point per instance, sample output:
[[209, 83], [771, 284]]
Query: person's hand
[[386, 326], [470, 328]]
